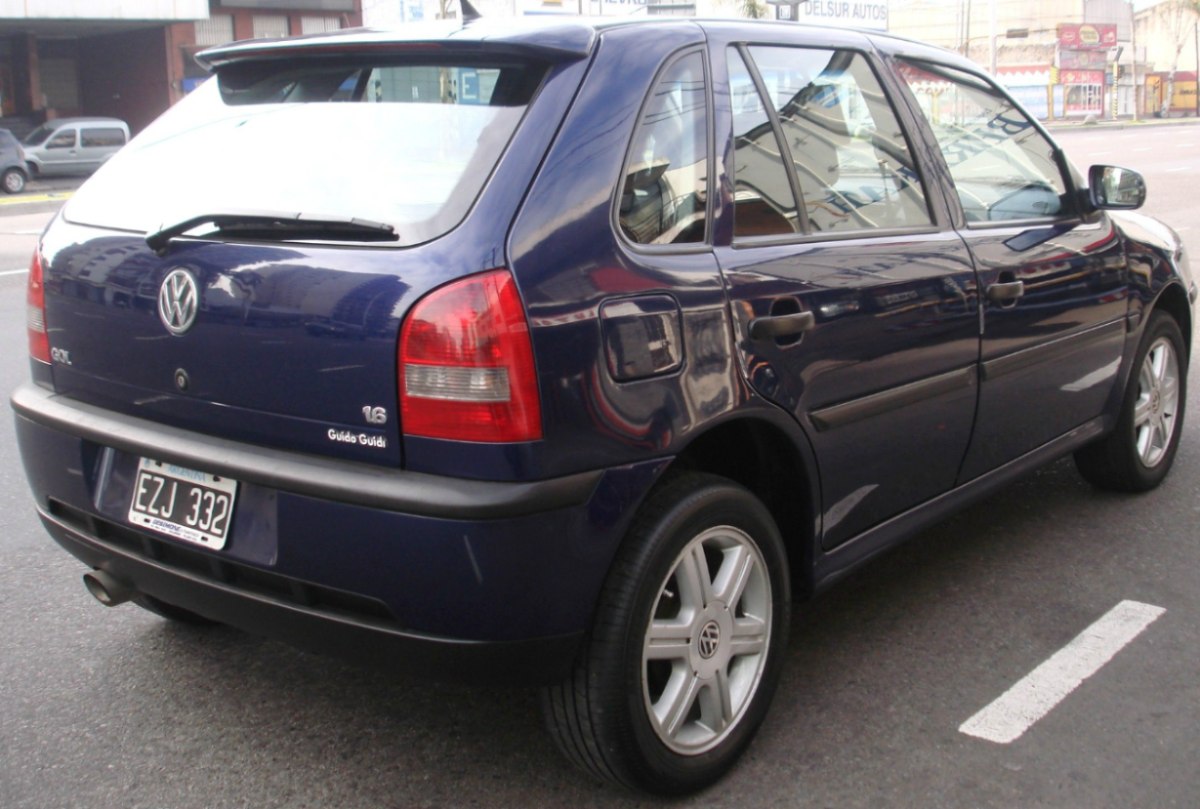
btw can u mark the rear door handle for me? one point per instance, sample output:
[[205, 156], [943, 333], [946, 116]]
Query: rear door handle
[[1006, 292], [776, 326]]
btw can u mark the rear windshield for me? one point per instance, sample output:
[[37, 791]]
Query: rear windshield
[[407, 144]]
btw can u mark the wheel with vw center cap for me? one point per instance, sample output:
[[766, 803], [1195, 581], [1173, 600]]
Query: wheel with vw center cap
[[687, 645]]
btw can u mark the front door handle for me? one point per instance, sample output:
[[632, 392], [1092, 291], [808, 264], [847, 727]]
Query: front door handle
[[1006, 292], [777, 326]]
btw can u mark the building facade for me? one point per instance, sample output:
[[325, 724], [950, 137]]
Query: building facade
[[1071, 58], [131, 59], [1170, 32]]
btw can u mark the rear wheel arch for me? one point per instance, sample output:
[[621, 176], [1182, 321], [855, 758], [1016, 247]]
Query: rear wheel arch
[[765, 459], [690, 636]]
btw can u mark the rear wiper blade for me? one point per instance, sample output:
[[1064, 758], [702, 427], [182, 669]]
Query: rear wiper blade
[[281, 226]]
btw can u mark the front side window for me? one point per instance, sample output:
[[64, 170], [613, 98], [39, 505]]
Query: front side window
[[63, 140], [38, 136], [1003, 167], [846, 147], [664, 186]]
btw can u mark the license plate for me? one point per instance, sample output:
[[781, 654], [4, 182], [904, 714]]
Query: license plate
[[183, 503]]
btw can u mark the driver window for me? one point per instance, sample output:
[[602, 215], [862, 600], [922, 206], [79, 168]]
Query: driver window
[[63, 140], [1003, 167]]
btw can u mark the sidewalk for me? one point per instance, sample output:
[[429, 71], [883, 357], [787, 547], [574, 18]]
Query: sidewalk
[[1120, 123], [46, 194]]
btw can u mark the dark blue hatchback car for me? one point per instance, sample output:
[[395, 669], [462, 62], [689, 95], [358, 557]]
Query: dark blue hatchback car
[[595, 347]]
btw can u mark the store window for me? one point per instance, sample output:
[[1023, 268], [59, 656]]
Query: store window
[[216, 30], [1083, 99], [270, 25], [319, 25]]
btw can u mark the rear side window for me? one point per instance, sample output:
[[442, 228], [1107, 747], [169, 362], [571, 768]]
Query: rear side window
[[664, 186], [764, 202], [105, 136], [844, 148], [1003, 167], [403, 142]]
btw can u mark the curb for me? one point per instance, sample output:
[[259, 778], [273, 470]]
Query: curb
[[34, 199]]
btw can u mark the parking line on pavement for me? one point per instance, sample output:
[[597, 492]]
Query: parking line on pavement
[[1035, 695], [13, 272]]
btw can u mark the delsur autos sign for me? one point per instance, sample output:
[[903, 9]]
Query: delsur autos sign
[[846, 13]]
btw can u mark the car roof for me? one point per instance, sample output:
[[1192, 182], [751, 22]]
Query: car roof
[[84, 120], [557, 38]]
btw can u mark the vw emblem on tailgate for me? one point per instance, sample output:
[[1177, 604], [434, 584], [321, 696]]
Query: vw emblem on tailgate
[[178, 300]]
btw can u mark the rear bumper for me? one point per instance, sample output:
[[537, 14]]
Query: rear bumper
[[341, 630], [350, 483], [466, 580]]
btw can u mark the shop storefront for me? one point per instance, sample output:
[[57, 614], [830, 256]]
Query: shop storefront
[[1085, 51]]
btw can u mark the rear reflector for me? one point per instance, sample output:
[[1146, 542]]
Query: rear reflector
[[466, 364]]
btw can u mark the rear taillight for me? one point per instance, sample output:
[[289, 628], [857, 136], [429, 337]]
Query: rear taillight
[[466, 364], [35, 311]]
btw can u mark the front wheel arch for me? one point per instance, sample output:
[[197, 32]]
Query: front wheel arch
[[15, 185], [1139, 451], [1174, 301]]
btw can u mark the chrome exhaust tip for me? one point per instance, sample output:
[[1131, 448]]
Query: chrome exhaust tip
[[106, 589]]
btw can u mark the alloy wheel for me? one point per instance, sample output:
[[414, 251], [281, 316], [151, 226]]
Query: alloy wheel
[[707, 640], [1154, 414]]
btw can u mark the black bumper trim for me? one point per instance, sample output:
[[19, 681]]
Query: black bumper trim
[[325, 478], [534, 661]]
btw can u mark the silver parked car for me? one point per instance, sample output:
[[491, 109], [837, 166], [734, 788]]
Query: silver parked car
[[74, 145], [13, 170]]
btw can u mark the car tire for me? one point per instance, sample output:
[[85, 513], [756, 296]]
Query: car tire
[[1137, 454], [171, 612], [702, 578], [13, 181]]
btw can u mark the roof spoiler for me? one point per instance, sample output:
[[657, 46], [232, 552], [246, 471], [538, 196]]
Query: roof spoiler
[[557, 42]]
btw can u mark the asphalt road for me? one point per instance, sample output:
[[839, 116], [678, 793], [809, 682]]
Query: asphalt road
[[110, 708]]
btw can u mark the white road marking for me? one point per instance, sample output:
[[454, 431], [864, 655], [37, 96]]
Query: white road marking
[[13, 272], [1035, 695], [1179, 168]]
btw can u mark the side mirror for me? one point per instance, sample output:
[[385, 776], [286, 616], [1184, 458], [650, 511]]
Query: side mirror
[[1113, 188]]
